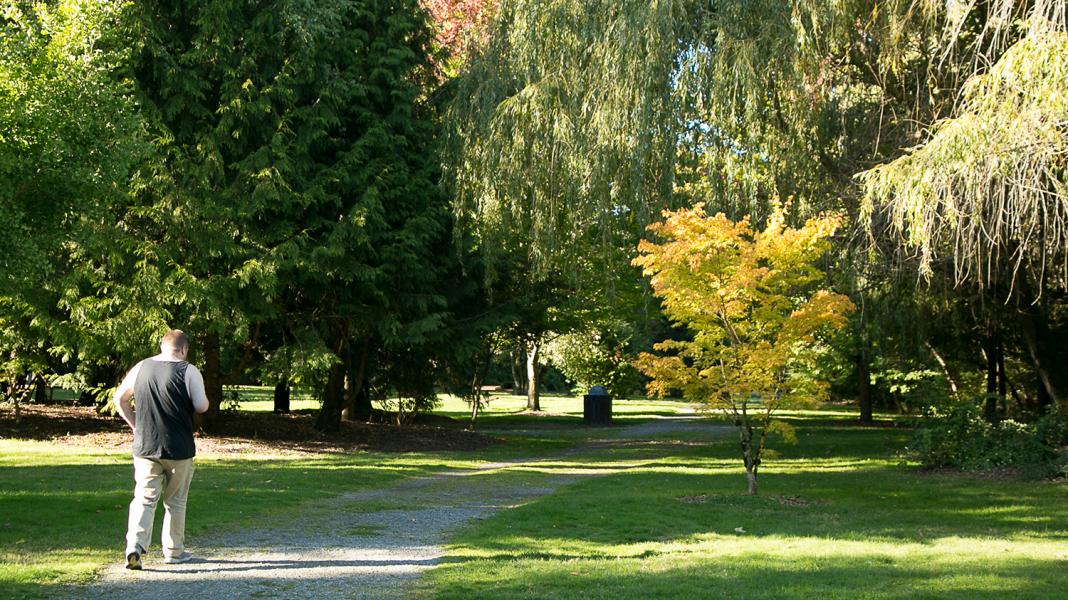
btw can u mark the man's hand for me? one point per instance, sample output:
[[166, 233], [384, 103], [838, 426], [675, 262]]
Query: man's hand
[[122, 397]]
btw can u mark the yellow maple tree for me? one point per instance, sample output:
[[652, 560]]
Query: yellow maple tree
[[751, 301]]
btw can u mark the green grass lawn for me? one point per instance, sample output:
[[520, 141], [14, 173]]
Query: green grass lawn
[[839, 516], [63, 509], [505, 413], [260, 398]]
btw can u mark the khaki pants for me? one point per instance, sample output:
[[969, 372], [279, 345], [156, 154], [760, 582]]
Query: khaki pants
[[153, 476]]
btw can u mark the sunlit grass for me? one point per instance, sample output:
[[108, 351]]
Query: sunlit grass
[[722, 567], [842, 514], [857, 522], [295, 405], [63, 509], [261, 399], [503, 404]]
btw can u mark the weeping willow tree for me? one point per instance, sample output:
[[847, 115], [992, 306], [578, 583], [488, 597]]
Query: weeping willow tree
[[577, 121], [984, 200], [564, 124], [988, 190], [788, 100], [560, 144], [794, 99]]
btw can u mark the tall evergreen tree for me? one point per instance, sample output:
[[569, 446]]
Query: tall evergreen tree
[[290, 179]]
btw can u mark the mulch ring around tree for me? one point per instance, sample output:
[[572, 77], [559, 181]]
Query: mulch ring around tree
[[246, 432]]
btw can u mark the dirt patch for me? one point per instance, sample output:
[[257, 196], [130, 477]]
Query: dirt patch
[[697, 499], [245, 432], [793, 501], [539, 413], [901, 423], [798, 501], [992, 474]]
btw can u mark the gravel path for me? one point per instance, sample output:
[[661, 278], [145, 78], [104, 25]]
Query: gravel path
[[349, 546]]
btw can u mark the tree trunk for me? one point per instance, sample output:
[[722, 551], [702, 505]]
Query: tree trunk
[[1046, 353], [476, 404], [953, 388], [12, 392], [40, 389], [519, 380], [864, 384], [329, 418], [750, 458], [281, 396], [1043, 355], [990, 405], [362, 409], [1003, 379], [212, 377], [533, 377], [357, 397], [477, 379]]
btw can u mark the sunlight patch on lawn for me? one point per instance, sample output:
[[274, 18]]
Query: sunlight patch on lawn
[[29, 453], [779, 548], [742, 565]]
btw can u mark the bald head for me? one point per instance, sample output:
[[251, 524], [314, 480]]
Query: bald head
[[174, 342]]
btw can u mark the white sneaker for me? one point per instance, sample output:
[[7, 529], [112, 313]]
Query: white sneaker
[[178, 559]]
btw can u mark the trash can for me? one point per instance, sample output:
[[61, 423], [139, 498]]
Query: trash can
[[597, 407]]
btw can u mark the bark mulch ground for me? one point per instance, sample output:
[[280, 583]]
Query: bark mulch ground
[[247, 432]]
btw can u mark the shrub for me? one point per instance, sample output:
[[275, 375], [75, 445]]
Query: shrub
[[595, 357], [963, 439]]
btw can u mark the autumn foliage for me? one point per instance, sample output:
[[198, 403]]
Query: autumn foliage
[[461, 27], [751, 301]]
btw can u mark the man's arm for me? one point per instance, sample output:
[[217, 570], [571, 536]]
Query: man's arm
[[122, 396], [194, 384]]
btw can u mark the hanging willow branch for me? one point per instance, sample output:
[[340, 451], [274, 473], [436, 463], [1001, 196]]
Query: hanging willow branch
[[563, 125], [988, 191]]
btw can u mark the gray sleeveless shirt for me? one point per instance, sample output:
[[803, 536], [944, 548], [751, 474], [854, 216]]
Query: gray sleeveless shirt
[[164, 411]]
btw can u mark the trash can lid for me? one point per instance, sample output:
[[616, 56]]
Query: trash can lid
[[598, 390]]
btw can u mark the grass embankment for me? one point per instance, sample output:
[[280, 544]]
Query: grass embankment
[[838, 516]]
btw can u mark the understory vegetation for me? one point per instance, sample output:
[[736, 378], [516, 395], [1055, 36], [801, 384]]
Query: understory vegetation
[[964, 439]]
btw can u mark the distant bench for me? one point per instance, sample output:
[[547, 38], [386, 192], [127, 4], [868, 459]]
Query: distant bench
[[485, 391]]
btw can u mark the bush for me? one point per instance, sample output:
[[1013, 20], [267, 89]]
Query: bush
[[591, 358], [963, 439]]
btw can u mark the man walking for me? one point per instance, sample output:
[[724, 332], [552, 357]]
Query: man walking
[[166, 390]]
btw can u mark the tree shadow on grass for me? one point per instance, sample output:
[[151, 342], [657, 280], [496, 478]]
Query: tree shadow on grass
[[888, 503], [879, 532]]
